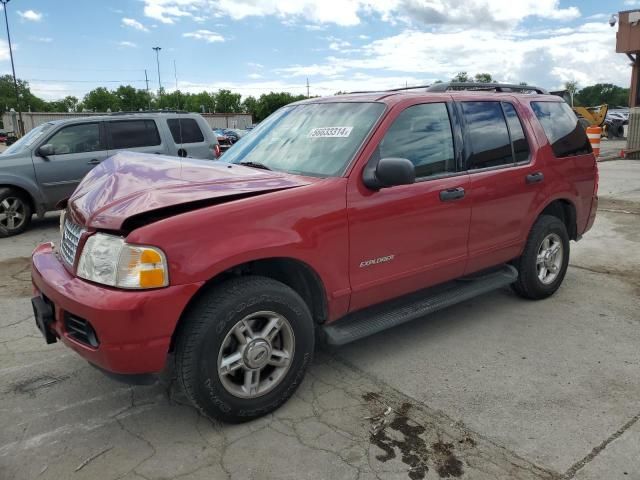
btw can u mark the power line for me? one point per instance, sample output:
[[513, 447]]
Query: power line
[[83, 81]]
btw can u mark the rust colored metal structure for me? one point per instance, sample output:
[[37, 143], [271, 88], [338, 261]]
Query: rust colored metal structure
[[628, 42]]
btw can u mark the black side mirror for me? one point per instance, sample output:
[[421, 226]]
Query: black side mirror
[[46, 150], [389, 172]]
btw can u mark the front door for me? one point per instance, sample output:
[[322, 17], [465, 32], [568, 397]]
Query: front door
[[410, 237], [78, 148]]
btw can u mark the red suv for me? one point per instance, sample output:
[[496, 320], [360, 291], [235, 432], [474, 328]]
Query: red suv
[[337, 217]]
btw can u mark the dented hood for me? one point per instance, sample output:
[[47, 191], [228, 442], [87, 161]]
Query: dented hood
[[129, 184]]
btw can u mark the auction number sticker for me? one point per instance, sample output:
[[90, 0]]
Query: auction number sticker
[[330, 132]]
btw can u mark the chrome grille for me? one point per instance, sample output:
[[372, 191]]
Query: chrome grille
[[71, 234]]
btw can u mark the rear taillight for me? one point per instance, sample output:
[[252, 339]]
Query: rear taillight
[[216, 150]]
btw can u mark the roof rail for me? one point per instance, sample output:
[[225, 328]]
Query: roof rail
[[498, 87], [147, 111]]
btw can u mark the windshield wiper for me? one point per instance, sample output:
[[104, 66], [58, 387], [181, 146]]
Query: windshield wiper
[[255, 165]]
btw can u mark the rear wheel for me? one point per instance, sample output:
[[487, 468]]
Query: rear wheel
[[243, 348], [15, 212], [544, 261]]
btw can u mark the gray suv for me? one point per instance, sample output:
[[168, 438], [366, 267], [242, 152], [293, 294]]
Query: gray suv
[[45, 166]]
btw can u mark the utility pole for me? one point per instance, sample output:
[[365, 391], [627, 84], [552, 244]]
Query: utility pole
[[307, 87], [175, 74], [13, 69], [157, 49], [146, 79]]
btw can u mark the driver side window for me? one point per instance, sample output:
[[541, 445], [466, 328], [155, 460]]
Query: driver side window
[[422, 134], [81, 138]]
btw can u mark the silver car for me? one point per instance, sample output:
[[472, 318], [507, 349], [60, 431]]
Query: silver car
[[45, 166]]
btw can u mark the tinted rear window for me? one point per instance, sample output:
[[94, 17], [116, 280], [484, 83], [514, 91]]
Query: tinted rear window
[[134, 133], [487, 135], [566, 136], [185, 130]]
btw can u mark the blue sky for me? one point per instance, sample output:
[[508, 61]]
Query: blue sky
[[251, 46]]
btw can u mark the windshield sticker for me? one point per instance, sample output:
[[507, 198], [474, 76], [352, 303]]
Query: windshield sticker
[[330, 132]]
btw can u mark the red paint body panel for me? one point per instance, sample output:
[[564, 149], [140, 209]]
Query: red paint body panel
[[331, 225], [134, 327], [132, 183]]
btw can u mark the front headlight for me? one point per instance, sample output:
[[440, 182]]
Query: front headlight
[[109, 260]]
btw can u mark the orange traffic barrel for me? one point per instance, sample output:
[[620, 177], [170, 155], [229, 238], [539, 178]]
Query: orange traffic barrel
[[594, 133]]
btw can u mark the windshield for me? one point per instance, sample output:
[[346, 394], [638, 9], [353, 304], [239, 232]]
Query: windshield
[[29, 139], [317, 139]]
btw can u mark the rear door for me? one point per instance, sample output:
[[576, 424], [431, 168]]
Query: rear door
[[136, 135], [79, 147], [189, 138], [505, 180]]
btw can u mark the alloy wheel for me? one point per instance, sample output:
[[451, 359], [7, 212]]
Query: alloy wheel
[[549, 259], [12, 213], [256, 354]]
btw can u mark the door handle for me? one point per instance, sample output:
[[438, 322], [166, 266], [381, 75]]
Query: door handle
[[451, 194], [93, 161], [536, 177]]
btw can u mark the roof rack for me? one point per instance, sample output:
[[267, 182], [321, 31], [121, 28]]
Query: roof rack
[[478, 86], [147, 111]]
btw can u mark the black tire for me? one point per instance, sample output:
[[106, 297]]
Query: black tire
[[205, 329], [14, 226], [529, 285]]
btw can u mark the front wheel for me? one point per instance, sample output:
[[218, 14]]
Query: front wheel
[[544, 261], [243, 348]]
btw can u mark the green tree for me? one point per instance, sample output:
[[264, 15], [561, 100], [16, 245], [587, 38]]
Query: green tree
[[461, 77], [270, 102], [483, 78], [197, 102], [601, 93], [27, 99], [228, 102], [250, 105], [100, 100], [132, 99], [572, 88]]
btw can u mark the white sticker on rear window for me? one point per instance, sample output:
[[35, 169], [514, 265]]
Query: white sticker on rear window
[[330, 132]]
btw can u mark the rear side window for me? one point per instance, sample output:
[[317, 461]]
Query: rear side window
[[422, 134], [560, 124], [133, 133], [487, 135], [518, 139], [185, 130]]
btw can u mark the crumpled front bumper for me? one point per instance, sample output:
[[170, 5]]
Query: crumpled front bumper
[[133, 328]]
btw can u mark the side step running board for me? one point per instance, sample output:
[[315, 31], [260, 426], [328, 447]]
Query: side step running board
[[375, 319]]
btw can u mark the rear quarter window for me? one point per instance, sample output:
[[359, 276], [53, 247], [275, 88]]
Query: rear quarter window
[[185, 130], [565, 134]]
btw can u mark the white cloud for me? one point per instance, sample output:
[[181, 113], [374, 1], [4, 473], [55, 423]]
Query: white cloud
[[30, 15], [364, 37], [206, 35], [502, 13], [125, 43], [132, 23], [254, 76], [41, 39], [255, 65], [547, 60], [337, 44], [4, 50]]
